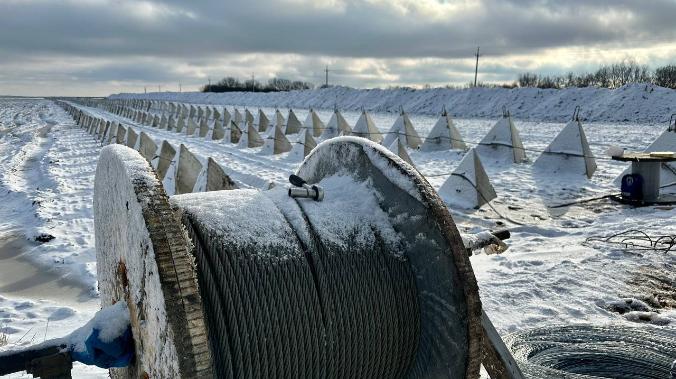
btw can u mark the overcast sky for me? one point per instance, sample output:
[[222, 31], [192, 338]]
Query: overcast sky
[[98, 47]]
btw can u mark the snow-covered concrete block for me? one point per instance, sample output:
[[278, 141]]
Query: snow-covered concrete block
[[403, 128], [468, 186], [444, 136], [568, 153], [502, 143]]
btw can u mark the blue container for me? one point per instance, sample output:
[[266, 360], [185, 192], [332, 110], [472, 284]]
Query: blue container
[[632, 187]]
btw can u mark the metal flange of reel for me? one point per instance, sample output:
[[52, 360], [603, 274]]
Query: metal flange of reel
[[373, 281]]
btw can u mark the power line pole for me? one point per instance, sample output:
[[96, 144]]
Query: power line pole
[[159, 88], [179, 87], [253, 82], [476, 68], [145, 89], [326, 70]]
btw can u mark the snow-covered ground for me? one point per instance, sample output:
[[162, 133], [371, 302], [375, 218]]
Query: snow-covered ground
[[46, 177], [549, 274], [632, 103]]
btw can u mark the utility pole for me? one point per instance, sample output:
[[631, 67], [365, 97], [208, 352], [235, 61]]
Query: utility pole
[[179, 87], [326, 70], [210, 81], [476, 68], [159, 88], [253, 82], [145, 89]]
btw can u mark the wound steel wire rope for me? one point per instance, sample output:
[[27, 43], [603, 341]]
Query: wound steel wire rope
[[394, 319], [322, 311], [587, 351]]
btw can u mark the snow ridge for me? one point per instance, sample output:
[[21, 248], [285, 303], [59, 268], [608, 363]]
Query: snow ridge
[[643, 103]]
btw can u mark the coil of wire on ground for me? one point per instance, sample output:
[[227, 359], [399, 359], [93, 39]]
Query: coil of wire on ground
[[587, 351]]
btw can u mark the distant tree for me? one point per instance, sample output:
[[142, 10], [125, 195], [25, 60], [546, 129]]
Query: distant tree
[[527, 80], [665, 76]]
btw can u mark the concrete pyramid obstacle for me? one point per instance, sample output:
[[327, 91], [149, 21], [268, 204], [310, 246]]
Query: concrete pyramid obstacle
[[91, 125], [216, 114], [314, 123], [164, 122], [237, 117], [103, 135], [164, 161], [235, 132], [502, 143], [250, 138], [200, 112], [180, 125], [276, 143], [146, 119], [337, 126], [131, 138], [112, 133], [403, 128], [191, 127], [147, 147], [398, 148], [248, 117], [211, 125], [262, 122], [568, 153], [207, 113], [121, 135], [100, 129], [293, 124], [188, 170], [444, 135], [94, 130], [279, 119], [366, 128], [171, 124], [213, 178], [192, 112], [226, 118], [304, 145], [468, 186], [204, 127], [219, 130]]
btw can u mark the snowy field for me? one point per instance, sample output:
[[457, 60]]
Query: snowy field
[[548, 275]]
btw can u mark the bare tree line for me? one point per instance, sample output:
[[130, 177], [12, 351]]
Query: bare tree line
[[607, 76], [230, 84]]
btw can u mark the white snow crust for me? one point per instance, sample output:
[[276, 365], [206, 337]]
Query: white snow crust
[[644, 103]]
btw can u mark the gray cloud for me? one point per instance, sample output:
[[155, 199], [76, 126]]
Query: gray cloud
[[124, 43]]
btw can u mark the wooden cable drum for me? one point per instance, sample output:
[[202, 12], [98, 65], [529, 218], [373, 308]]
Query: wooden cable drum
[[371, 282], [143, 258]]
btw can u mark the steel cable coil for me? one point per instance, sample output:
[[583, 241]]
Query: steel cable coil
[[588, 351], [347, 312]]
